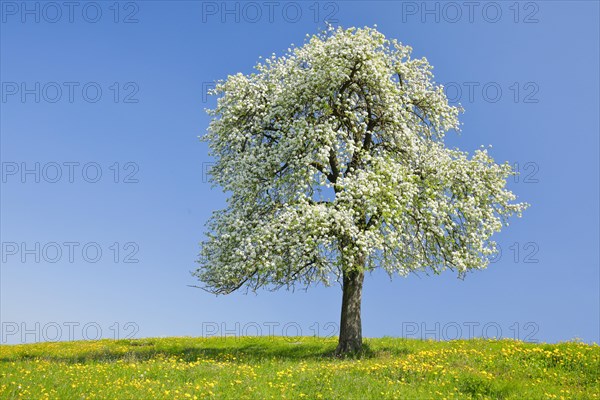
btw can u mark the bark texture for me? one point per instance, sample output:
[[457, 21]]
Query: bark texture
[[350, 339]]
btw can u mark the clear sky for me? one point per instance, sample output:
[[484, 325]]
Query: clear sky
[[104, 199]]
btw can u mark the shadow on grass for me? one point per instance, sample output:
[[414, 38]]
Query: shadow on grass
[[245, 351]]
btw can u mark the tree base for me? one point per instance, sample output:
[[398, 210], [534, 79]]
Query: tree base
[[346, 347]]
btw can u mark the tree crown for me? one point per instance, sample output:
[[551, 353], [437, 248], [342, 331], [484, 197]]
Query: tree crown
[[333, 156]]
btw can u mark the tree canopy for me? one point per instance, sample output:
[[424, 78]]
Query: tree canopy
[[333, 159]]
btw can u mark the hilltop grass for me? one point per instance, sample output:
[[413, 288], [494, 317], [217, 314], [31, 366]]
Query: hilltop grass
[[296, 368]]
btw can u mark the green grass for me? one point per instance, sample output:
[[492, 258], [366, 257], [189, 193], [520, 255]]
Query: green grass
[[300, 367]]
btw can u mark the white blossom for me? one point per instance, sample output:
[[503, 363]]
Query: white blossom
[[333, 157]]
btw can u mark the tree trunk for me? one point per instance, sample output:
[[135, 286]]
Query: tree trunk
[[350, 339]]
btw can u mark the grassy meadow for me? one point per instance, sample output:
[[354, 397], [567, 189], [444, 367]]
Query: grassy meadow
[[298, 368]]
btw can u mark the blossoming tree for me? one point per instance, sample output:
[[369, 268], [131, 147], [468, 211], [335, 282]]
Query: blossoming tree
[[334, 162]]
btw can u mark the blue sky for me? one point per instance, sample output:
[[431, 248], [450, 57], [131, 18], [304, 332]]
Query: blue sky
[[103, 106]]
